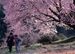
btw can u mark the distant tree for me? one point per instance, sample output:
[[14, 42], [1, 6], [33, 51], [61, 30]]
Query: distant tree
[[29, 38], [62, 36], [3, 27], [48, 38], [55, 38]]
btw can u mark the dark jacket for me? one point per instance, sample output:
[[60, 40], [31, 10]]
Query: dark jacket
[[10, 42]]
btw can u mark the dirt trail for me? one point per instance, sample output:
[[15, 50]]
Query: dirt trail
[[32, 52], [60, 51], [57, 49]]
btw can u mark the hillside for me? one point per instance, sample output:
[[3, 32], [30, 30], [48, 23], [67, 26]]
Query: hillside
[[71, 39]]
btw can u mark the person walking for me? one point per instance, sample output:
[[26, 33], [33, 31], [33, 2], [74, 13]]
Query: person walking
[[18, 42], [10, 41]]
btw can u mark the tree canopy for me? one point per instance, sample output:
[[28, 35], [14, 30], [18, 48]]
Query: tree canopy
[[24, 14]]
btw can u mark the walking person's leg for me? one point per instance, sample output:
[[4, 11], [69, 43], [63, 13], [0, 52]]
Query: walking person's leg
[[10, 48], [16, 48], [19, 46]]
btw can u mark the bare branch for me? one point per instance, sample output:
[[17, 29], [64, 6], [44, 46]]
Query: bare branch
[[58, 7], [60, 4], [40, 19], [54, 13], [51, 17], [44, 20]]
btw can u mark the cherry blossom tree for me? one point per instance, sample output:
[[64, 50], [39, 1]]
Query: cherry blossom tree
[[35, 16], [24, 15]]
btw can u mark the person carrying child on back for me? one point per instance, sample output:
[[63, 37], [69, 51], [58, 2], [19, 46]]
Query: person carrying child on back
[[18, 42]]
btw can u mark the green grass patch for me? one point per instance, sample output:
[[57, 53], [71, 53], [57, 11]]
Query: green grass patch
[[58, 41], [28, 49], [69, 38], [37, 44], [65, 39]]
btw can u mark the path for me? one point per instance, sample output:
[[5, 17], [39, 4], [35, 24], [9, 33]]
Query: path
[[32, 52], [40, 51]]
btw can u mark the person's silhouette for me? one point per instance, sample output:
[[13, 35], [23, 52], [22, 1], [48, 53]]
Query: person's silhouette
[[10, 41]]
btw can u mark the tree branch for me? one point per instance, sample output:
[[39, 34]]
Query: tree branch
[[54, 13], [72, 26], [60, 4], [51, 17], [58, 7], [45, 14], [40, 19]]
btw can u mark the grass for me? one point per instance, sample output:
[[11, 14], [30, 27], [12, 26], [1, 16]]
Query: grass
[[37, 44], [6, 51], [58, 41], [58, 45], [65, 39], [66, 44], [28, 49], [69, 38], [33, 48]]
